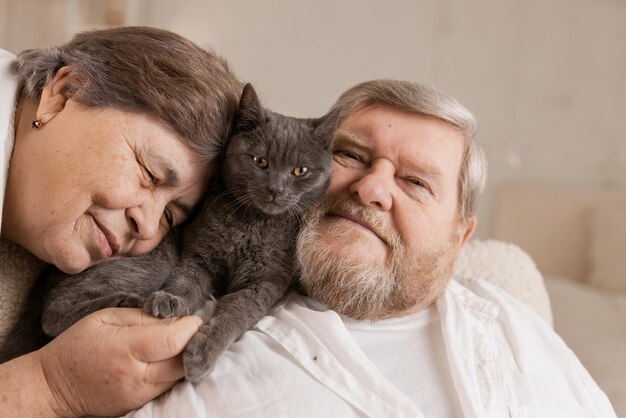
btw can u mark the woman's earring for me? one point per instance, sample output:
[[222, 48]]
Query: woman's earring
[[40, 121]]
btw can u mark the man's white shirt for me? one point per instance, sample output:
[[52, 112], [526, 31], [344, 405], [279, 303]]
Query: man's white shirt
[[488, 356]]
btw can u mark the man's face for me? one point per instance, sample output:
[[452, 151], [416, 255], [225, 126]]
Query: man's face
[[386, 238]]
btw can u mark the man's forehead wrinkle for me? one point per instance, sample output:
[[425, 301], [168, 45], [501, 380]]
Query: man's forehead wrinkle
[[348, 135]]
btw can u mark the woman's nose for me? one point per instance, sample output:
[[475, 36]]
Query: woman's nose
[[373, 187], [145, 219]]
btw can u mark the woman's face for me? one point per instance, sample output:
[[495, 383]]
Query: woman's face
[[96, 183]]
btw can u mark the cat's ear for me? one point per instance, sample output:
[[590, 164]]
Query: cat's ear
[[326, 126], [250, 111]]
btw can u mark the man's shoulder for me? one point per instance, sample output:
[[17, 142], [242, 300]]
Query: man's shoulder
[[479, 293]]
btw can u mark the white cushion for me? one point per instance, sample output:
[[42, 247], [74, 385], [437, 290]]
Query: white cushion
[[509, 267]]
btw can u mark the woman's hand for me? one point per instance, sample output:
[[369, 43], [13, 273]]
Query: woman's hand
[[114, 360]]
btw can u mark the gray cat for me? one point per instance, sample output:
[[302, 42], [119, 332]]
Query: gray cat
[[239, 247]]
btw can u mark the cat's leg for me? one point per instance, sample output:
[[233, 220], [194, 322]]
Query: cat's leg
[[234, 314], [124, 282], [62, 314], [186, 290]]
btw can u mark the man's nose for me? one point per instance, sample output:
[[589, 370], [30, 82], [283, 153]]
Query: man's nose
[[374, 187], [145, 219]]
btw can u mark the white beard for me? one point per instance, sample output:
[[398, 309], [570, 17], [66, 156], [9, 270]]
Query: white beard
[[369, 288]]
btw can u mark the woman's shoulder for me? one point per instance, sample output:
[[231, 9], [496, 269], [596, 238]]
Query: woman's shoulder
[[6, 54]]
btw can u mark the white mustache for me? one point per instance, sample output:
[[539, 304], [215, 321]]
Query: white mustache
[[368, 216]]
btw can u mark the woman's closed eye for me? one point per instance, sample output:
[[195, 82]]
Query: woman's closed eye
[[149, 175], [168, 216]]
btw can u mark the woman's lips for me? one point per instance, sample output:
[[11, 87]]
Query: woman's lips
[[106, 240]]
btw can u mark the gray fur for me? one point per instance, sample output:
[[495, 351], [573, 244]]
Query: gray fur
[[239, 248]]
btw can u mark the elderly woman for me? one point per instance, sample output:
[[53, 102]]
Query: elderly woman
[[106, 144]]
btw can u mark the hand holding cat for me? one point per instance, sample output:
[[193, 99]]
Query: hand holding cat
[[115, 360]]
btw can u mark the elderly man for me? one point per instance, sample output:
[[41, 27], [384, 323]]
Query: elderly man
[[383, 330]]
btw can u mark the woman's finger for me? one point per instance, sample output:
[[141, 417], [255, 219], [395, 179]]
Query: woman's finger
[[161, 341], [125, 317], [170, 370]]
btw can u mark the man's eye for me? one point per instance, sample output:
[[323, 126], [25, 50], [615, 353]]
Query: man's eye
[[349, 159], [416, 182], [347, 154]]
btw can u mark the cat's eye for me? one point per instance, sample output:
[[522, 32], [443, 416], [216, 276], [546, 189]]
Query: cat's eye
[[259, 161], [300, 171]]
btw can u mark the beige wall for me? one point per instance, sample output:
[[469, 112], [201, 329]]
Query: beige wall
[[545, 78]]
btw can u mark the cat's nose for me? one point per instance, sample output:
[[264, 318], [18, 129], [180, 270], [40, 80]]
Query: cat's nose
[[276, 190]]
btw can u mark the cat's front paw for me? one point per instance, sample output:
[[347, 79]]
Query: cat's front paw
[[165, 305], [201, 353]]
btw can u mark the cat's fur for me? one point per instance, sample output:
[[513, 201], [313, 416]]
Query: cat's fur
[[239, 248]]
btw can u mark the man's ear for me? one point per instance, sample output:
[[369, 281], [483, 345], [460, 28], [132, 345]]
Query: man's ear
[[467, 230], [54, 95]]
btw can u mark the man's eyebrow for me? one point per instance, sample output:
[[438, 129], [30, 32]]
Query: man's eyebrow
[[355, 139], [428, 170]]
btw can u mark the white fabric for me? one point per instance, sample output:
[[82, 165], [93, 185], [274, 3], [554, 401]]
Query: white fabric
[[509, 267], [8, 96], [591, 322], [505, 361], [416, 341]]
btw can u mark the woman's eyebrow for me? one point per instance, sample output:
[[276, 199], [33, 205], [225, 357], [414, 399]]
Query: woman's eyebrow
[[170, 175]]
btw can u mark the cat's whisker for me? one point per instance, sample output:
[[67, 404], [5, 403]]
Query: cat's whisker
[[218, 197], [236, 204]]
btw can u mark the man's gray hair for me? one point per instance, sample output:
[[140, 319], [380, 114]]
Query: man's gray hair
[[412, 97]]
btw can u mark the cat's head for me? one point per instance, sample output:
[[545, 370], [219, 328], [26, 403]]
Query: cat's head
[[274, 163]]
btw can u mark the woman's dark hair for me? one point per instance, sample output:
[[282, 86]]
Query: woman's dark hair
[[147, 70]]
